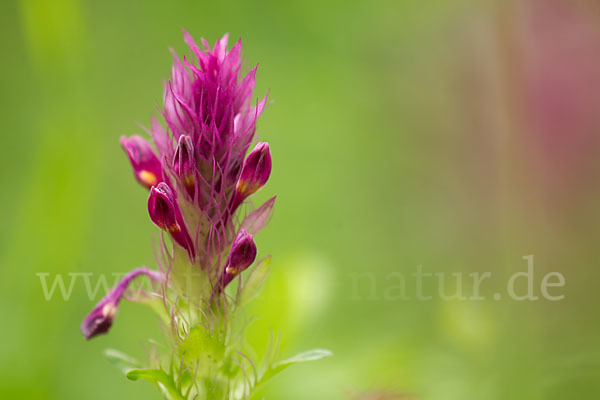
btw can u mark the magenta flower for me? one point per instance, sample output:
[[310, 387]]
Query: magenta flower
[[256, 170], [146, 167], [101, 318], [165, 213], [210, 125], [198, 174], [255, 173], [242, 255]]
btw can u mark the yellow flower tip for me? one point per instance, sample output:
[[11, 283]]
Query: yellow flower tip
[[245, 188], [147, 178], [231, 271], [109, 310], [188, 181]]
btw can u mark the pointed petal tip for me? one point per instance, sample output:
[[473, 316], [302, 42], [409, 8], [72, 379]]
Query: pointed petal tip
[[225, 39]]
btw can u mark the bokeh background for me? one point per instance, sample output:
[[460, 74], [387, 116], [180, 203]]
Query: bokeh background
[[456, 135]]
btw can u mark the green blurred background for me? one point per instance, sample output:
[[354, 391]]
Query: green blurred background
[[455, 135]]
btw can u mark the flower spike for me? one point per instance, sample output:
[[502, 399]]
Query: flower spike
[[199, 167], [146, 166], [100, 319]]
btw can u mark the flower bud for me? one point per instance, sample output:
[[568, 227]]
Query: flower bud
[[100, 319], [184, 164], [242, 255], [165, 213], [255, 171], [146, 165]]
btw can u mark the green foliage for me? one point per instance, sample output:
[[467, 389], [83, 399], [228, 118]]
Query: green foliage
[[311, 355], [210, 361], [159, 378], [130, 367], [122, 361]]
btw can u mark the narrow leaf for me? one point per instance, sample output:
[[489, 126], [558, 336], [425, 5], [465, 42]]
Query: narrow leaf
[[122, 361], [254, 283], [311, 355], [258, 218], [159, 378]]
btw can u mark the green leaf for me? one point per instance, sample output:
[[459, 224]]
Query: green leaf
[[122, 361], [311, 355], [159, 378], [256, 278], [130, 367]]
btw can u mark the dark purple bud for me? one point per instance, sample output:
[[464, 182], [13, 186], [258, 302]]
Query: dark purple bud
[[242, 255], [146, 165], [165, 213], [255, 171], [100, 319], [184, 164]]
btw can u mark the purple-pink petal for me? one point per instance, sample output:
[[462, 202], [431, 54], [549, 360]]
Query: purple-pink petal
[[165, 213], [146, 166], [100, 319], [255, 171], [184, 165], [242, 255]]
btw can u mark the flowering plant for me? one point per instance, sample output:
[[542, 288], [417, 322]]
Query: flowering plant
[[198, 177]]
